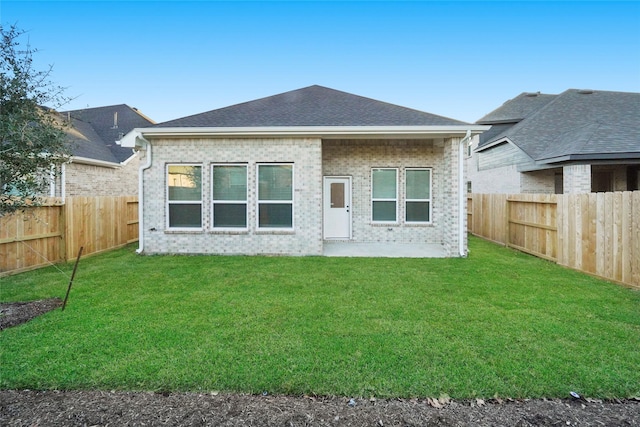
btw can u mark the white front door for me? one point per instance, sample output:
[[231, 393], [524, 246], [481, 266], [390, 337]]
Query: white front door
[[337, 207]]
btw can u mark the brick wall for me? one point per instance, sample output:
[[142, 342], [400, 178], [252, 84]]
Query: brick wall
[[88, 180], [356, 158], [450, 202], [577, 179], [305, 239], [538, 182], [312, 160]]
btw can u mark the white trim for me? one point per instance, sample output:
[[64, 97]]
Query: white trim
[[396, 200], [500, 141], [234, 202], [94, 162], [274, 202], [183, 202], [130, 140], [131, 157]]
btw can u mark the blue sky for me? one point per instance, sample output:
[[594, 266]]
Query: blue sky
[[456, 59]]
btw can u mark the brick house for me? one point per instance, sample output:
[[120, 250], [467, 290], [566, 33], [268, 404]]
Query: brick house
[[99, 166], [579, 141], [291, 173]]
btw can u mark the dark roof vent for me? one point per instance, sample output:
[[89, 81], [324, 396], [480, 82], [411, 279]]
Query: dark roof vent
[[585, 91], [532, 94]]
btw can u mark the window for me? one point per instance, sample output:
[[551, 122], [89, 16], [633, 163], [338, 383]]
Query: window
[[275, 196], [418, 195], [229, 196], [601, 181], [384, 200], [184, 196]]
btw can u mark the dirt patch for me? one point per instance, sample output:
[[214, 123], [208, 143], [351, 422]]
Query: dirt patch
[[16, 313], [94, 408], [99, 408]]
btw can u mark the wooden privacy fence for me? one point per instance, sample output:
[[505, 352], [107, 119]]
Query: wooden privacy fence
[[598, 233], [55, 231]]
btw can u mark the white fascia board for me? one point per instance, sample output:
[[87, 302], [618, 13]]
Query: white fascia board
[[94, 162], [494, 143], [306, 131], [131, 157]]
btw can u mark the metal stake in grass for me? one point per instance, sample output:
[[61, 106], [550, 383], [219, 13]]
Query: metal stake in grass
[[75, 267]]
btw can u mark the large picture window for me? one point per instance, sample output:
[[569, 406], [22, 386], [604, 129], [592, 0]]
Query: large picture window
[[384, 200], [418, 195], [229, 196], [184, 196], [275, 196]]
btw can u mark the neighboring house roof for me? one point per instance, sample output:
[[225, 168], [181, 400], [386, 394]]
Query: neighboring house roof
[[511, 112], [575, 125], [518, 108], [94, 131], [312, 106]]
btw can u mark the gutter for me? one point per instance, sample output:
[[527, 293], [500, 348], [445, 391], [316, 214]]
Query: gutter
[[304, 131], [461, 195], [94, 162]]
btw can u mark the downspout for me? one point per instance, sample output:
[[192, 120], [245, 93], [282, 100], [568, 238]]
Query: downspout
[[461, 194], [52, 181], [146, 147], [63, 182]]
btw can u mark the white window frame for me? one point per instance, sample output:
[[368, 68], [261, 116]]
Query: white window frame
[[429, 200], [278, 202], [396, 199], [184, 202], [234, 202]]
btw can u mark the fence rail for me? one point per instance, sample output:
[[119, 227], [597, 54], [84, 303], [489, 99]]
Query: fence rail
[[598, 233], [55, 231]]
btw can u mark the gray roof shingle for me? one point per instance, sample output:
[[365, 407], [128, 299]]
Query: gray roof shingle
[[312, 106], [93, 134], [518, 108], [579, 124]]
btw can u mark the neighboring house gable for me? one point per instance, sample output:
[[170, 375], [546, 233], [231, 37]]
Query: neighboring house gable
[[578, 141], [99, 166], [290, 173]]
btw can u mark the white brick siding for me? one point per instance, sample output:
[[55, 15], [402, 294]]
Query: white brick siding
[[356, 158], [312, 159], [89, 180], [305, 239], [577, 179]]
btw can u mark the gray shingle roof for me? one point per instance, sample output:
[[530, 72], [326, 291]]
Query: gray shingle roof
[[94, 135], [580, 124], [312, 106], [518, 108]]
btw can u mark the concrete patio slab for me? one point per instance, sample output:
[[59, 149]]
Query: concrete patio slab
[[383, 250]]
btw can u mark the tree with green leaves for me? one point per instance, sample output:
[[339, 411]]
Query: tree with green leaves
[[32, 134]]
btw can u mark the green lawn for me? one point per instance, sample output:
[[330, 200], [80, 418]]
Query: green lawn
[[497, 323]]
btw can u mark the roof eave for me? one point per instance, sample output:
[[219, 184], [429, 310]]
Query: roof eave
[[493, 143], [591, 157], [311, 131], [94, 162]]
